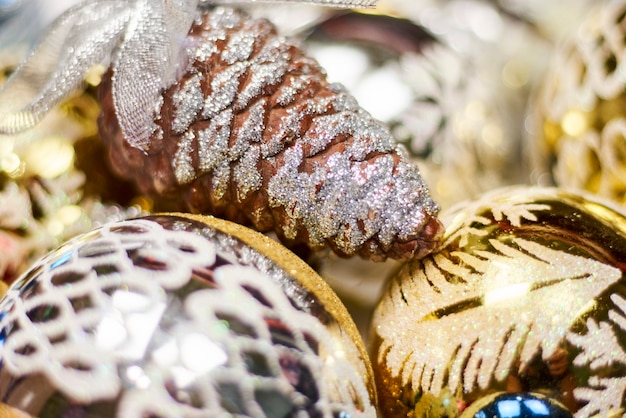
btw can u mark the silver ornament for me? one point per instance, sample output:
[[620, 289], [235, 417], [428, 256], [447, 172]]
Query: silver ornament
[[176, 316]]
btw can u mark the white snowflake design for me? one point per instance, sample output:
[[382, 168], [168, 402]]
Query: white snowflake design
[[512, 207], [602, 348]]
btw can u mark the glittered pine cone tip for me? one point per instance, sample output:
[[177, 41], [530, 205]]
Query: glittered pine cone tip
[[253, 132]]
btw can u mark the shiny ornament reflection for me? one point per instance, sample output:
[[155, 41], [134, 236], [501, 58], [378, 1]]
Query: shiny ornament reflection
[[526, 295], [179, 316], [7, 7], [513, 405]]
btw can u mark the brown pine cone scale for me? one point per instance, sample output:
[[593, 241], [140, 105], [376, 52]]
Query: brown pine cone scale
[[253, 132]]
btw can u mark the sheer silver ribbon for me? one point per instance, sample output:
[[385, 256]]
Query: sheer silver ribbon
[[142, 39]]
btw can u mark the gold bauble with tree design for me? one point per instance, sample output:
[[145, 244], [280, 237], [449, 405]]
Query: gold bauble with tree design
[[527, 296]]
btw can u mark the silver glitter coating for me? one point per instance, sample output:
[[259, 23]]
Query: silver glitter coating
[[322, 169], [220, 179], [239, 47], [336, 197], [208, 47], [213, 142], [183, 168], [263, 75], [267, 69], [290, 124], [246, 173], [251, 130], [188, 101], [224, 87], [224, 18], [290, 91]]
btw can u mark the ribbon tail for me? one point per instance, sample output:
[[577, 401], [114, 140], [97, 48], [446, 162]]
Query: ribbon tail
[[81, 37], [148, 61]]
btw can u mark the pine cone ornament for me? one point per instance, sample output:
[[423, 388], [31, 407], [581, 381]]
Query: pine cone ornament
[[253, 132]]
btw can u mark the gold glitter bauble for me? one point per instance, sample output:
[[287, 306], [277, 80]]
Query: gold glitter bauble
[[173, 315], [577, 122], [527, 296]]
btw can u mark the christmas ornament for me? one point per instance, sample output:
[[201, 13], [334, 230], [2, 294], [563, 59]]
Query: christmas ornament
[[247, 127], [515, 405], [252, 132], [174, 315], [526, 296], [577, 124]]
